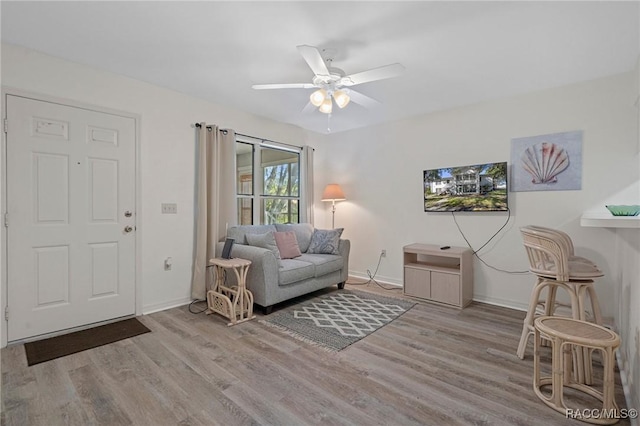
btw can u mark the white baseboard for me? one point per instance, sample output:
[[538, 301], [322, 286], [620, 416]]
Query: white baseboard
[[149, 309], [381, 279], [505, 303]]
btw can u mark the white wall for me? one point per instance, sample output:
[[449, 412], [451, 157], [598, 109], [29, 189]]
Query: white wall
[[628, 313], [167, 148], [627, 316], [380, 169]]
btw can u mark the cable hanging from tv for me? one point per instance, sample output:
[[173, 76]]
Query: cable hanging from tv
[[475, 252]]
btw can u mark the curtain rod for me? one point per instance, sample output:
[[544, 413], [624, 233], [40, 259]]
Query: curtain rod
[[225, 131]]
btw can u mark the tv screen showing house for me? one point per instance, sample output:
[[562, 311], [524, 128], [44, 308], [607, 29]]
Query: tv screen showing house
[[476, 188]]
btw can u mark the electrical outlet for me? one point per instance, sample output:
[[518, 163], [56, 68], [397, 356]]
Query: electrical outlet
[[383, 253], [169, 208]]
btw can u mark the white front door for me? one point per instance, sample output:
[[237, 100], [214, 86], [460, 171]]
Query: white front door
[[71, 220]]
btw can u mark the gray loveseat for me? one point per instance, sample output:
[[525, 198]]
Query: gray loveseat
[[273, 280]]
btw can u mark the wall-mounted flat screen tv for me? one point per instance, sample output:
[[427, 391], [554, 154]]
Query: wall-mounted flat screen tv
[[474, 188]]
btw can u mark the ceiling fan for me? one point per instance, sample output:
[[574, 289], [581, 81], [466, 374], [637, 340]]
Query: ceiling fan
[[332, 83]]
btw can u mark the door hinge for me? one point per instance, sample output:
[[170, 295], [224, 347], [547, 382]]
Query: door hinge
[[6, 313], [6, 220], [6, 125]]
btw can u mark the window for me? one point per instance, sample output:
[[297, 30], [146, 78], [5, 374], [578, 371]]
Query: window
[[244, 178], [268, 176]]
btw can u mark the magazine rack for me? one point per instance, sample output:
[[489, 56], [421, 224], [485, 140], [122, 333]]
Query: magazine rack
[[234, 303]]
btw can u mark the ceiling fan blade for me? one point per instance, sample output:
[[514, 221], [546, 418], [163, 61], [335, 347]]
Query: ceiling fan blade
[[308, 108], [313, 58], [387, 71], [363, 100], [283, 86]]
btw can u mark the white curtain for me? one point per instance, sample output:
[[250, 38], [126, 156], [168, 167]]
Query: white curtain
[[309, 199], [216, 206]]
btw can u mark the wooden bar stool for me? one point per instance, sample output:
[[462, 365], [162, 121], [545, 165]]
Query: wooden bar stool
[[565, 239], [564, 334], [552, 260]]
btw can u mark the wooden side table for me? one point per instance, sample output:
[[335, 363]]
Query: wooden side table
[[235, 303]]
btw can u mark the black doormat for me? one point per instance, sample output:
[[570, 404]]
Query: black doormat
[[67, 344]]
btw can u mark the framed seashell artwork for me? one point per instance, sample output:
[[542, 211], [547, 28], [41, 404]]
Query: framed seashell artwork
[[547, 162]]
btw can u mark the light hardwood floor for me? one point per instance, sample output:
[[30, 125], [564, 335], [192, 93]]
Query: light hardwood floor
[[432, 366]]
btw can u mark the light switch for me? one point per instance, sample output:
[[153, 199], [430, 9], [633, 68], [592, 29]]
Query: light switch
[[169, 208]]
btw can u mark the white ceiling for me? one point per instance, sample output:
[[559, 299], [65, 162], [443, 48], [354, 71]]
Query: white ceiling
[[455, 53]]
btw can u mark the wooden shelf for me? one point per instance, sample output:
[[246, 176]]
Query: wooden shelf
[[434, 267], [439, 276]]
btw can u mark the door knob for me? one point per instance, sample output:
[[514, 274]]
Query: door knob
[[128, 214], [128, 229]]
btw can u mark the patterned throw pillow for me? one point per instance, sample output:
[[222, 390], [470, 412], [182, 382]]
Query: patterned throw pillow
[[266, 241], [325, 241]]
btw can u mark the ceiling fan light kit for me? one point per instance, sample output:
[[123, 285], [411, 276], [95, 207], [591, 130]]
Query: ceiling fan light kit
[[318, 97], [326, 106], [330, 82], [321, 98], [341, 98]]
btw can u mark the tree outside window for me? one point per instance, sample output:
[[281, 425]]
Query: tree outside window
[[281, 186], [278, 184]]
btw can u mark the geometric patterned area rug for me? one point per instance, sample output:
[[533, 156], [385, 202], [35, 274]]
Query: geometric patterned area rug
[[338, 319]]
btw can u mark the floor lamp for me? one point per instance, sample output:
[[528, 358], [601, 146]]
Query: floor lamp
[[333, 193]]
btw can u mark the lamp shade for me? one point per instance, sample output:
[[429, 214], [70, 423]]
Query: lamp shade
[[341, 98], [326, 106], [333, 192], [318, 97]]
